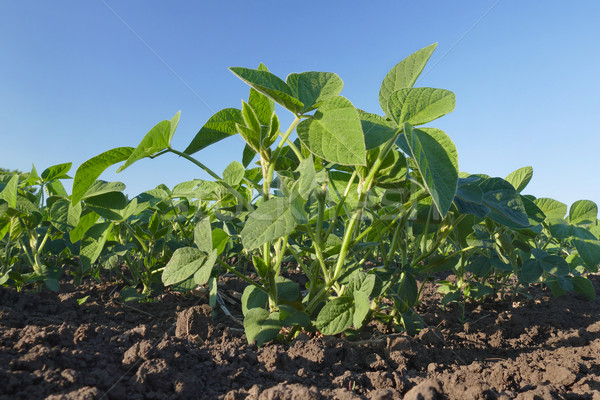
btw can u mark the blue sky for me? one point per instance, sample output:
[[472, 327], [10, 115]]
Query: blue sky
[[80, 77]]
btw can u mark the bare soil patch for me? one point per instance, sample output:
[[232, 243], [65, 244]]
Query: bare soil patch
[[177, 347]]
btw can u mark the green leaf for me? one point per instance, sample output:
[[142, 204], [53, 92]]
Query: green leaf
[[362, 305], [248, 155], [234, 173], [92, 244], [505, 203], [336, 316], [551, 264], [184, 263], [220, 239], [376, 129], [419, 106], [589, 251], [335, 133], [261, 268], [260, 326], [64, 216], [9, 193], [108, 205], [218, 127], [202, 275], [271, 220], [535, 214], [437, 160], [361, 282], [520, 178], [531, 271], [130, 294], [253, 297], [307, 182], [156, 140], [86, 221], [584, 286], [89, 171], [250, 119], [404, 74], [58, 171], [583, 212], [551, 208], [559, 228], [203, 236], [287, 290], [261, 104], [269, 85], [312, 88]]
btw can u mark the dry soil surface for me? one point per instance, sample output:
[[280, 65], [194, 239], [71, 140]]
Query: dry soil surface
[[175, 348]]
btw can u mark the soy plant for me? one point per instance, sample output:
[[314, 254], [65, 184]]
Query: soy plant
[[509, 245], [32, 221]]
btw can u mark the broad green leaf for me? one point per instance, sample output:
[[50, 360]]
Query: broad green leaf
[[260, 326], [290, 316], [86, 221], [505, 203], [376, 129], [361, 282], [362, 305], [108, 205], [271, 220], [203, 235], [9, 193], [419, 106], [583, 212], [312, 88], [218, 127], [589, 251], [65, 216], [58, 171], [531, 271], [520, 178], [437, 160], [535, 214], [551, 208], [156, 140], [334, 133], [261, 104], [92, 244], [307, 182], [287, 290], [551, 264], [584, 286], [234, 173], [336, 316], [184, 263], [559, 228], [248, 155], [404, 74], [253, 297], [89, 171], [251, 137], [202, 275], [269, 85], [220, 239], [174, 123], [101, 187], [56, 188], [130, 294]]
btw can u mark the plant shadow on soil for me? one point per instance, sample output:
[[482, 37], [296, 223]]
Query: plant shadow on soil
[[177, 347]]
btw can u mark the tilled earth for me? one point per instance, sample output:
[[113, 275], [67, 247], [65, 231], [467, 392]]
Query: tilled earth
[[174, 347]]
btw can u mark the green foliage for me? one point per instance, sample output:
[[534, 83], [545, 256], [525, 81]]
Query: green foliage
[[368, 206]]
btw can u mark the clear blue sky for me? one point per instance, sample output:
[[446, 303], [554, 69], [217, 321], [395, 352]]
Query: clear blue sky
[[76, 81]]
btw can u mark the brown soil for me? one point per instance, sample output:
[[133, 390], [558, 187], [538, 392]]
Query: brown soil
[[53, 348]]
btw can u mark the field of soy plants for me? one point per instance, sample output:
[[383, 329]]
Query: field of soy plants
[[345, 256]]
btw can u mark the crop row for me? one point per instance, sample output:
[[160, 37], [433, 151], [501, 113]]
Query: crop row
[[365, 205]]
